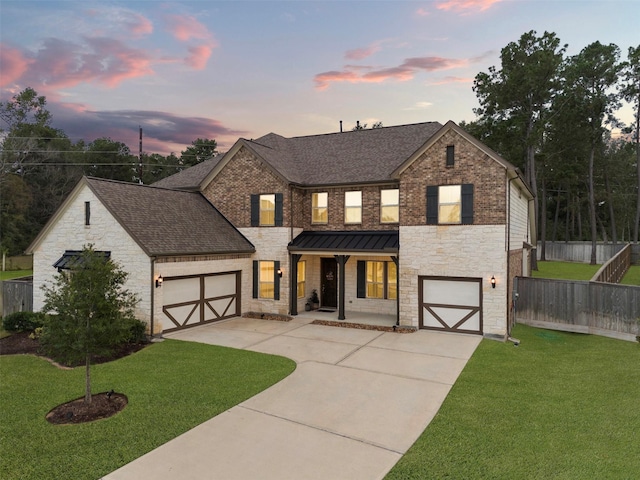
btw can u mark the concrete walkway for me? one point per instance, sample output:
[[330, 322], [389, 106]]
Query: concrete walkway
[[356, 402]]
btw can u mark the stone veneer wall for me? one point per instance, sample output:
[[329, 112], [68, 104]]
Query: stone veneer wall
[[169, 267], [105, 233], [271, 244], [460, 251]]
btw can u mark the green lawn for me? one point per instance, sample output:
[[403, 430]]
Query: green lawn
[[8, 275], [171, 386], [559, 406], [632, 277], [565, 270]]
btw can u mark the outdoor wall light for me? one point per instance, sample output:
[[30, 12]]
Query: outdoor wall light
[[493, 281], [159, 281], [280, 272]]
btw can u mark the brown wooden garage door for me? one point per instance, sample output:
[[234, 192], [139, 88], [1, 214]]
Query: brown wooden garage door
[[196, 299], [452, 304]]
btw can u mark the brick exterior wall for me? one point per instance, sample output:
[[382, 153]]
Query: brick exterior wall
[[335, 197], [231, 190], [471, 166]]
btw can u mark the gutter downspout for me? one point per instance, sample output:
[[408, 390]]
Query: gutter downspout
[[509, 251], [152, 285]]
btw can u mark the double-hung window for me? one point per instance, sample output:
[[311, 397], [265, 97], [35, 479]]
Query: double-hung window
[[266, 280], [319, 208], [390, 206], [450, 204], [353, 207], [377, 279], [267, 210]]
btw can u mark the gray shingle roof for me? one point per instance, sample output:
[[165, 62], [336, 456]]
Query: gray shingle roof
[[190, 178], [169, 222], [349, 157]]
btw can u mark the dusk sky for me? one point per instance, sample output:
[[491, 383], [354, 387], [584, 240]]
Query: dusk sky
[[231, 69]]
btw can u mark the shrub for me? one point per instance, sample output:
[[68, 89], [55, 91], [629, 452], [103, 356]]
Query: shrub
[[137, 331], [23, 321]]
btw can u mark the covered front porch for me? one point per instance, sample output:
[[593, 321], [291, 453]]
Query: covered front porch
[[354, 274]]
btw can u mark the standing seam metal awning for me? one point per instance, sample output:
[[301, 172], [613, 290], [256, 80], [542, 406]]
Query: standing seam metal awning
[[72, 258], [381, 242]]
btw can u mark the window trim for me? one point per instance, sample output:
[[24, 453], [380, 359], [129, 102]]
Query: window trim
[[349, 208], [264, 210], [389, 205], [442, 204], [315, 208]]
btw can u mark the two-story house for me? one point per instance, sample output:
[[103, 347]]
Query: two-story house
[[420, 222]]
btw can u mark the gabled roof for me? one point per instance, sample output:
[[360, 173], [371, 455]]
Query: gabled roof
[[162, 221], [354, 157], [190, 178]]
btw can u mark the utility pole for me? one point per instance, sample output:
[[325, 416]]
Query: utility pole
[[140, 159]]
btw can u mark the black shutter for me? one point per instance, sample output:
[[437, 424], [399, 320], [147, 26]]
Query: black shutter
[[256, 272], [255, 210], [279, 209], [362, 279], [276, 281], [432, 205], [467, 204]]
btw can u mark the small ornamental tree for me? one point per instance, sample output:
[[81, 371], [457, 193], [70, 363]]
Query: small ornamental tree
[[92, 312]]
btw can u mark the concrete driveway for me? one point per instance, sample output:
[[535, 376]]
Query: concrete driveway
[[356, 402]]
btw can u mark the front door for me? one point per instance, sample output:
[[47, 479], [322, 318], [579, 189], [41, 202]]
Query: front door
[[329, 283]]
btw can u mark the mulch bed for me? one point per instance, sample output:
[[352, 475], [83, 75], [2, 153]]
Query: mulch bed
[[362, 326], [103, 405], [268, 316]]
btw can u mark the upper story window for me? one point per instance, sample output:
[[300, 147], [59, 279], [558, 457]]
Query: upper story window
[[450, 204], [353, 207], [267, 210], [450, 156], [390, 206], [87, 213], [319, 208]]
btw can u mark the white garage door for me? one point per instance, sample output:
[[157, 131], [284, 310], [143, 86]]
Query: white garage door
[[452, 304], [197, 299]]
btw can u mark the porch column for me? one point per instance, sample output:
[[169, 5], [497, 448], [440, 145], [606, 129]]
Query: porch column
[[397, 262], [293, 284], [342, 260]]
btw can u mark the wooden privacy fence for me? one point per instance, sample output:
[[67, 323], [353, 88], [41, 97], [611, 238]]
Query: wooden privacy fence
[[17, 295], [578, 251], [585, 307], [615, 268]]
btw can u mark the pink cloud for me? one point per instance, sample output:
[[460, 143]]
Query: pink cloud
[[198, 56], [139, 26], [360, 53], [186, 27], [449, 80], [465, 5], [61, 64], [13, 64], [422, 12], [402, 73]]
